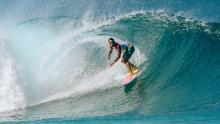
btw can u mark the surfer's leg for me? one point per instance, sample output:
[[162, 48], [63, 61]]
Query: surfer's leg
[[127, 63], [125, 59], [128, 55], [133, 67], [129, 68]]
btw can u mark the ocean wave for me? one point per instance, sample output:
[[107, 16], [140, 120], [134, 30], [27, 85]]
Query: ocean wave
[[66, 66]]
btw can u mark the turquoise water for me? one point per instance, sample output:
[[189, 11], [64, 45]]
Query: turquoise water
[[54, 66]]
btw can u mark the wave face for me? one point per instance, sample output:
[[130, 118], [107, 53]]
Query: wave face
[[57, 67], [182, 62]]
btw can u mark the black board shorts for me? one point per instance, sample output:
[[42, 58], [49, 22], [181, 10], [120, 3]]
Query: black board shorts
[[128, 53]]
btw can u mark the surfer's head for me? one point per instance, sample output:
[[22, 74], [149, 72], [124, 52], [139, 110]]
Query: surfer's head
[[111, 42]]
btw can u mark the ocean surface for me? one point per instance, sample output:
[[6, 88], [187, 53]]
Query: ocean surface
[[54, 66]]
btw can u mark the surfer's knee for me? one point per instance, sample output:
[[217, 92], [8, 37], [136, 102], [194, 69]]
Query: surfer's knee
[[123, 60]]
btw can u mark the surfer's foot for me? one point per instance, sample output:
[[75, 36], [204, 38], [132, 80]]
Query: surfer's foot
[[131, 74]]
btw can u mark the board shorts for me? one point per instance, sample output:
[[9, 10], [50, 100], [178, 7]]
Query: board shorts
[[128, 53]]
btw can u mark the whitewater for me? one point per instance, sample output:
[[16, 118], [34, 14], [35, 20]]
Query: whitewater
[[54, 66]]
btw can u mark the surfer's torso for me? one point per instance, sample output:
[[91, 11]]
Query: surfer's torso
[[128, 48]]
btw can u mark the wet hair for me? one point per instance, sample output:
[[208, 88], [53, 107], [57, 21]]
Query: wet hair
[[112, 40]]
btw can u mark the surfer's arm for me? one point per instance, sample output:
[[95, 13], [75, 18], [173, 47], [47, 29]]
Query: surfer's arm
[[110, 52], [119, 55]]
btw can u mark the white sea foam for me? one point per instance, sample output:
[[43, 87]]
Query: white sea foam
[[11, 95]]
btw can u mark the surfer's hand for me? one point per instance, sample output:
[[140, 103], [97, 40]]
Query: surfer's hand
[[112, 63]]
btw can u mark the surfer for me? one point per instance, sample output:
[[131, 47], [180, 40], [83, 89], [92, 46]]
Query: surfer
[[128, 51]]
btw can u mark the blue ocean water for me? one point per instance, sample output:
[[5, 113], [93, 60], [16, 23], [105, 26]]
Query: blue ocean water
[[54, 66]]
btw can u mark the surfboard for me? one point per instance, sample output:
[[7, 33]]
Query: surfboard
[[129, 78]]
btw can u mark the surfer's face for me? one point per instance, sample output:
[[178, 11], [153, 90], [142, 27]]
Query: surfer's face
[[110, 43]]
